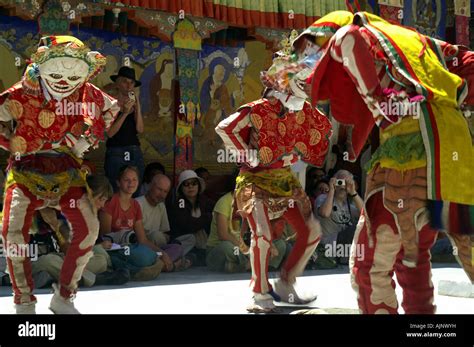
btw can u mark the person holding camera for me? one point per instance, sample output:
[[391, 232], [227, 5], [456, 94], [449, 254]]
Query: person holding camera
[[123, 146], [338, 211]]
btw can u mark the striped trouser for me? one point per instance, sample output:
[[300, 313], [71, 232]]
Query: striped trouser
[[381, 253], [394, 236], [19, 209], [308, 236]]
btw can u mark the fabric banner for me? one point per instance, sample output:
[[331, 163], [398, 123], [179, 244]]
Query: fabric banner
[[188, 110], [462, 10], [462, 30], [391, 13], [296, 14]]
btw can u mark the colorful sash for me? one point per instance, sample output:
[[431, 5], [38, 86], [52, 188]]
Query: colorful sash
[[446, 137]]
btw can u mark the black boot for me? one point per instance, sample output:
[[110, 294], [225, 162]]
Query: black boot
[[5, 280], [199, 255], [113, 278]]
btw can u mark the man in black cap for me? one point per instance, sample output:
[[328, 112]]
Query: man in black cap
[[123, 146]]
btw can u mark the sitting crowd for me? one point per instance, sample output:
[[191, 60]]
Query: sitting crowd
[[166, 229], [146, 228]]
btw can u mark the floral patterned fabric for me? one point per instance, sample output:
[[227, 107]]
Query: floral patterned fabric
[[304, 132], [43, 125]]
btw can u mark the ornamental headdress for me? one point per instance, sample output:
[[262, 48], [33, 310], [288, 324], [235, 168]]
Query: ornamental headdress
[[324, 28], [288, 74], [51, 47]]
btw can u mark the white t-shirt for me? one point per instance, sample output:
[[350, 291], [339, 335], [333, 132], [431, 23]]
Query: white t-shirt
[[340, 218], [155, 218]]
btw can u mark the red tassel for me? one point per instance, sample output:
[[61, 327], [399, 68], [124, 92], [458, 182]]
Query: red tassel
[[356, 2], [349, 6]]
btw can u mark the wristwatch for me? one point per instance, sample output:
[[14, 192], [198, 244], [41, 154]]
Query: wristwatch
[[353, 196]]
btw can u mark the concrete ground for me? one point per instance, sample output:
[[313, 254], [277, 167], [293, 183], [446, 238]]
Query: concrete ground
[[198, 291]]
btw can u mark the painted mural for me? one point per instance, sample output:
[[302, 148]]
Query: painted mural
[[158, 104], [227, 77], [426, 16]]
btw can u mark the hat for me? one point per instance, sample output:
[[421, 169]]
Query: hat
[[188, 174], [126, 72]]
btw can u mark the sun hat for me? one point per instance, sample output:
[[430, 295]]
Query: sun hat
[[189, 174]]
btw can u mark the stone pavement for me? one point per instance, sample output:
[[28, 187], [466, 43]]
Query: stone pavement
[[198, 291]]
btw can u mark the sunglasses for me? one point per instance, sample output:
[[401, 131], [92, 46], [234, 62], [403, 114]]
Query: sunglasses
[[190, 183]]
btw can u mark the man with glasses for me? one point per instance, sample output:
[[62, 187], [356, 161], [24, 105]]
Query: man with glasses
[[338, 211]]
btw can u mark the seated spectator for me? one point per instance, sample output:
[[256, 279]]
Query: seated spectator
[[47, 268], [318, 188], [151, 170], [224, 251], [442, 251], [313, 176], [4, 277], [338, 211], [2, 188], [191, 214], [223, 244], [212, 196], [121, 221], [204, 174], [155, 221], [321, 187]]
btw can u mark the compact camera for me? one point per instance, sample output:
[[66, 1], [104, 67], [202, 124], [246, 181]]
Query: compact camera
[[340, 182], [131, 95]]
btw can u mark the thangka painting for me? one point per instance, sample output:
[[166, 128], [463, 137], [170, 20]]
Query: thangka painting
[[426, 16], [219, 97], [157, 102], [228, 79]]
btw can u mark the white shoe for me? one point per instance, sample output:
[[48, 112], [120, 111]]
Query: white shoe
[[287, 293], [262, 303], [60, 305], [29, 308]]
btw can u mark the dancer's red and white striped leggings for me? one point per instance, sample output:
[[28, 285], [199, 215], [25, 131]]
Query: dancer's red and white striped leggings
[[372, 275], [19, 208], [308, 236]]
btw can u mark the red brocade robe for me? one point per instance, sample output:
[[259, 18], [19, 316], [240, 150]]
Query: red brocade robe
[[43, 125], [282, 135]]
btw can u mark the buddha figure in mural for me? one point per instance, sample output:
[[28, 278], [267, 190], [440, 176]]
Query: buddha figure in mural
[[160, 115], [215, 100]]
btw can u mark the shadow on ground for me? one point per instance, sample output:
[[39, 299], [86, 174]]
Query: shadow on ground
[[202, 275]]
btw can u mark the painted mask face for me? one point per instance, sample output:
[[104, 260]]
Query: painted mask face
[[298, 82], [289, 77], [63, 75]]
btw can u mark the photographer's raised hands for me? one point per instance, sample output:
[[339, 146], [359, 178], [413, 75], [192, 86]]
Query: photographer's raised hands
[[128, 105], [350, 186], [332, 184], [326, 208]]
